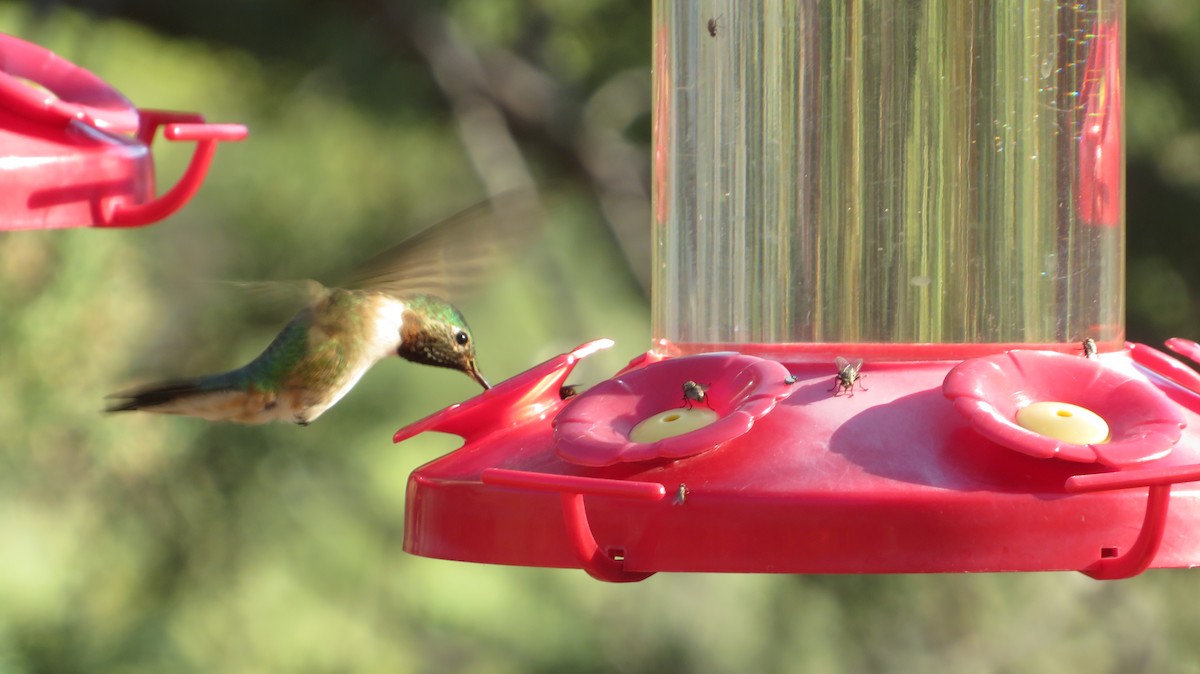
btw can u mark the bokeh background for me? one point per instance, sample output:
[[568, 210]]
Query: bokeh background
[[148, 544]]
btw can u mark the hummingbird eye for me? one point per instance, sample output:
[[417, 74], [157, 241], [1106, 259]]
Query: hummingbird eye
[[461, 338]]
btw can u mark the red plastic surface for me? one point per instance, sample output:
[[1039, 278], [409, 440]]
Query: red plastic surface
[[74, 152], [65, 92], [597, 562], [594, 429], [891, 480], [1169, 367], [1142, 421]]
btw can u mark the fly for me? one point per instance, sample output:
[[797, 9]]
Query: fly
[[712, 25], [847, 375], [1089, 347], [695, 393], [682, 494]]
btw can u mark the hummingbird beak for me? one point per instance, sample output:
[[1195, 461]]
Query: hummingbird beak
[[478, 376]]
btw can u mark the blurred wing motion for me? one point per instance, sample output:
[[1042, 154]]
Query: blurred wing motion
[[449, 259], [452, 258], [279, 295]]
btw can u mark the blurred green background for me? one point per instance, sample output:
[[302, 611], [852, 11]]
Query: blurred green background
[[150, 544]]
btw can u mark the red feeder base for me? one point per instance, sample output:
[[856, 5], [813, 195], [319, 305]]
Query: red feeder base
[[893, 479]]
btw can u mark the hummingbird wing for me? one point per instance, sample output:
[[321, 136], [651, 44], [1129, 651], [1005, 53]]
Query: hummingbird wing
[[452, 257], [278, 298], [291, 293]]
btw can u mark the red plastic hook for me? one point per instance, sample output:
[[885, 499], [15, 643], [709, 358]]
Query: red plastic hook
[[1140, 555], [182, 126], [596, 562]]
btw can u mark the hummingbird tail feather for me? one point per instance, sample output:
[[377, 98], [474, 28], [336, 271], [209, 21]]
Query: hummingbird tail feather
[[221, 397], [156, 395]]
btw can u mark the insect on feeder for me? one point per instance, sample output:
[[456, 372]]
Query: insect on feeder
[[933, 187], [74, 152]]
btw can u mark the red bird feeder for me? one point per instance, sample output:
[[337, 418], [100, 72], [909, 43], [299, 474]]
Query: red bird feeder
[[75, 153], [883, 235]]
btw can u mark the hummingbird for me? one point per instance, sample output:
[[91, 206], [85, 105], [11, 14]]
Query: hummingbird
[[393, 305]]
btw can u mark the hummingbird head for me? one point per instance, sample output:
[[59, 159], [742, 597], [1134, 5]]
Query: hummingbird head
[[435, 333]]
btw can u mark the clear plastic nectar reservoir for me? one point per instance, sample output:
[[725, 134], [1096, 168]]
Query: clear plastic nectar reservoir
[[895, 173]]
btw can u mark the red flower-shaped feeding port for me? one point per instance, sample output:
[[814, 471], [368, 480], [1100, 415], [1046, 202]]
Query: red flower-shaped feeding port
[[1143, 424], [594, 429]]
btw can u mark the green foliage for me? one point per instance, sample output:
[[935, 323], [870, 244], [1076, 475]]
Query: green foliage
[[140, 543], [1163, 168]]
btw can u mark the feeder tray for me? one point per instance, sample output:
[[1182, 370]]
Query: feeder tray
[[75, 153], [918, 473]]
